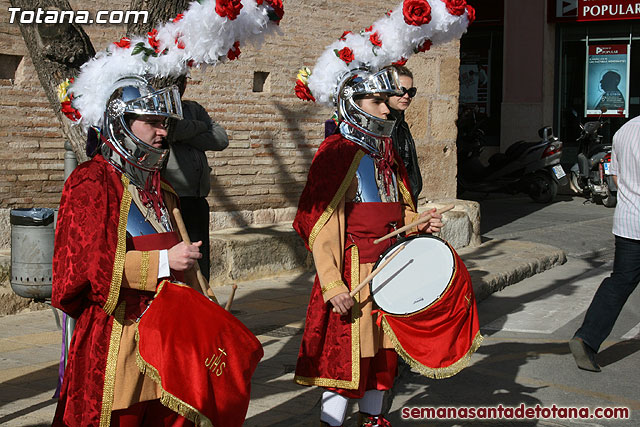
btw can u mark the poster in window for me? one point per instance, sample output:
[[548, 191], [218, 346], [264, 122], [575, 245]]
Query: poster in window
[[474, 80], [607, 80]]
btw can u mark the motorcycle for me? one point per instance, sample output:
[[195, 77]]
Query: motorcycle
[[590, 175], [529, 167]]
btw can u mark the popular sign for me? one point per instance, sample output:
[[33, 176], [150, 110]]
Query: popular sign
[[607, 10]]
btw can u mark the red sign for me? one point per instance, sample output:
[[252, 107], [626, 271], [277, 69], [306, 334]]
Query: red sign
[[608, 10], [612, 49]]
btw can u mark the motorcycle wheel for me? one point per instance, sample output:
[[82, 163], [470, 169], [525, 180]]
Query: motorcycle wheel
[[542, 188], [610, 200]]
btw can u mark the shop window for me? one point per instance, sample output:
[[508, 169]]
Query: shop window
[[572, 106]]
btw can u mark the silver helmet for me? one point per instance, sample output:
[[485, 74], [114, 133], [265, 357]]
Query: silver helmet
[[133, 95], [356, 124]]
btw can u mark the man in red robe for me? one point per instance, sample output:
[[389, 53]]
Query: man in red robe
[[357, 190], [115, 241]]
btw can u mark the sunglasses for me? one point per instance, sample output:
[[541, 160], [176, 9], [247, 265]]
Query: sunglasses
[[411, 91]]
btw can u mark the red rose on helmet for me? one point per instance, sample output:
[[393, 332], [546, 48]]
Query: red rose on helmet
[[179, 43], [228, 8], [425, 46], [124, 42], [400, 62], [178, 17], [234, 52], [303, 92], [416, 12], [456, 7], [375, 39], [344, 35], [277, 7], [345, 54], [153, 41], [471, 14]]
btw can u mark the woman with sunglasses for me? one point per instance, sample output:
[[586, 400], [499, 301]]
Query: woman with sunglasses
[[402, 139]]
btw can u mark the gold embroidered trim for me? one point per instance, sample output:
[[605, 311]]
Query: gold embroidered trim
[[355, 339], [406, 195], [121, 249], [110, 370], [435, 373], [167, 399], [144, 269], [336, 198], [332, 285]]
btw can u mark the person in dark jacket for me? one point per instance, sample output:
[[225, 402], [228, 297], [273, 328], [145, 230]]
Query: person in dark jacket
[[188, 171], [402, 139]]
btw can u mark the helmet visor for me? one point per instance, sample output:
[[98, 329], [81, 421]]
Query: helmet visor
[[163, 102]]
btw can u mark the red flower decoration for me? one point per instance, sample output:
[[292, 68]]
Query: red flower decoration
[[345, 54], [278, 9], [456, 7], [69, 111], [228, 8], [124, 42], [179, 43], [234, 52], [190, 63], [389, 12], [153, 41], [344, 35], [400, 62], [178, 17], [416, 12], [425, 46], [471, 14], [368, 29], [303, 92], [375, 39]]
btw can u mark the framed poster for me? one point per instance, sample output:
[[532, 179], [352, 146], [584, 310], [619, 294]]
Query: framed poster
[[475, 80], [607, 80]]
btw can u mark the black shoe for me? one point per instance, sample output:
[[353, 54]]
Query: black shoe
[[366, 420], [583, 354]]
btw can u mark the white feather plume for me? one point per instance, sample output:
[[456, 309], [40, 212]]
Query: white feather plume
[[204, 38], [399, 40]]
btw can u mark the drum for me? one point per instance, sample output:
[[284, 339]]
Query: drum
[[201, 356], [427, 306], [416, 277]]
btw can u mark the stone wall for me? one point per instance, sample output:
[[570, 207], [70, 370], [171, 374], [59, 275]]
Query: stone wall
[[273, 135]]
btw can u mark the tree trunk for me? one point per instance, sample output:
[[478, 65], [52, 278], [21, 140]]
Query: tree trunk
[[57, 52]]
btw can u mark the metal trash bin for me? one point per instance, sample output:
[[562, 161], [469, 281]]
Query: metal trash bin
[[32, 236]]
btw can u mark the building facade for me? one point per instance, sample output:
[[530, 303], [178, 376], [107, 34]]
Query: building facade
[[273, 135]]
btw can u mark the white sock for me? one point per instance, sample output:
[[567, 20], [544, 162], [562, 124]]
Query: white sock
[[333, 408], [371, 402]]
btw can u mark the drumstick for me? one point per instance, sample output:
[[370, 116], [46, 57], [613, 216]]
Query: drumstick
[[230, 300], [413, 224], [373, 274], [185, 237]]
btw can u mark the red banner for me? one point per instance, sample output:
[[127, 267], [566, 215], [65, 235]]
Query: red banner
[[608, 10]]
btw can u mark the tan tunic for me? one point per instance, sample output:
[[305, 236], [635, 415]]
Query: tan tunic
[[131, 386], [328, 256]]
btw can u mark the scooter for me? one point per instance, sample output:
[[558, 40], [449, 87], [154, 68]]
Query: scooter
[[590, 174], [530, 167]]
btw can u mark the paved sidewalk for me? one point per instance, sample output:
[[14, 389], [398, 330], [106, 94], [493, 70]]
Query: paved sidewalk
[[274, 309]]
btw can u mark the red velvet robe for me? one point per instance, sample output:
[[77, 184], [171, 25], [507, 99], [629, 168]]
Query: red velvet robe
[[88, 266], [330, 353]]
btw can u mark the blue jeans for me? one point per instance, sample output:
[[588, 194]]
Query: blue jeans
[[612, 294]]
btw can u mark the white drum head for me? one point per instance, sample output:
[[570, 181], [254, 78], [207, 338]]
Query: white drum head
[[414, 278]]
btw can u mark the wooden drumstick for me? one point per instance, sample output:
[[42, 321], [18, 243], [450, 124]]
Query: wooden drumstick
[[373, 274], [204, 285], [230, 300], [419, 221]]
